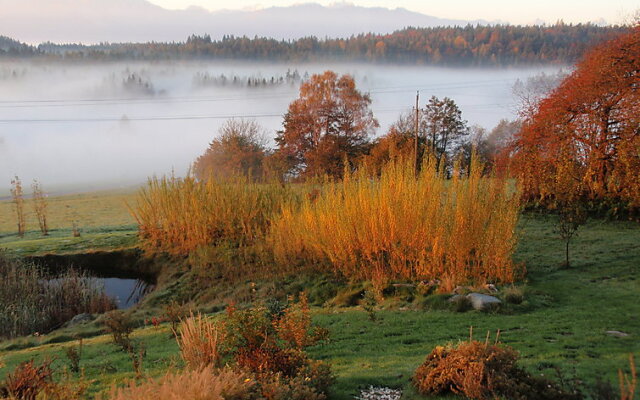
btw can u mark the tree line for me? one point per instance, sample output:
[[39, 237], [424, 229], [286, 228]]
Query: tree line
[[479, 45]]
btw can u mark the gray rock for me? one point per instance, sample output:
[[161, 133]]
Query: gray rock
[[482, 301], [80, 319], [454, 298], [617, 334]]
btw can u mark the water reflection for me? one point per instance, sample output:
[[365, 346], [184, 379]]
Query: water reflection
[[125, 292]]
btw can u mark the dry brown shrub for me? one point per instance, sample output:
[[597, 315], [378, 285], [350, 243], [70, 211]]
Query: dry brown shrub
[[483, 371], [202, 384], [200, 340], [28, 380]]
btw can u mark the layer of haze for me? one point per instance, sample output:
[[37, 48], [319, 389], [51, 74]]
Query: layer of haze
[[81, 127]]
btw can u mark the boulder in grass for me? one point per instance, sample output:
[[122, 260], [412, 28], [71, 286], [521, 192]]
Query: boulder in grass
[[617, 334], [483, 301], [80, 319]]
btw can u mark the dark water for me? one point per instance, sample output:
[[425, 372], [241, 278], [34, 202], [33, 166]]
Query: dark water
[[126, 292]]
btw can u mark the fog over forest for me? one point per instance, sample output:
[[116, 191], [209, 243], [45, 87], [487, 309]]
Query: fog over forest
[[114, 124]]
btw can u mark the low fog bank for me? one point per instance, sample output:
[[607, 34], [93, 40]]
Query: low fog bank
[[111, 125]]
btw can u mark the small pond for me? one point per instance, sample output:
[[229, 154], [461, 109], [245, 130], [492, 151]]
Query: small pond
[[125, 276], [126, 292]]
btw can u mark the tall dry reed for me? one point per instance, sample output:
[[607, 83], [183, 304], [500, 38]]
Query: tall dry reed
[[403, 226], [177, 216], [202, 384], [200, 340], [31, 301]]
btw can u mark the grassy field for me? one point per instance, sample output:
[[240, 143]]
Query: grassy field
[[102, 218], [562, 323]]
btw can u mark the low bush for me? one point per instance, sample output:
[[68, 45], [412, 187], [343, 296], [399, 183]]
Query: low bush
[[513, 295], [266, 342], [120, 325], [28, 380], [483, 371]]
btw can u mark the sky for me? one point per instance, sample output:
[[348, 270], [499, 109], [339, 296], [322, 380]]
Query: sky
[[513, 11]]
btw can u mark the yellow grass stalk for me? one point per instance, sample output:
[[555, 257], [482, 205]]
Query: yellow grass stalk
[[177, 216], [203, 384], [199, 339], [400, 226]]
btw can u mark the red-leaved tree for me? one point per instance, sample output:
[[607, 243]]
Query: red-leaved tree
[[583, 140], [331, 121]]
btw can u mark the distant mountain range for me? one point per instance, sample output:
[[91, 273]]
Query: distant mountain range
[[95, 21]]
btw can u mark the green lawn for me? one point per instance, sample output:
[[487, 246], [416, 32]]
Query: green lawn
[[102, 217], [562, 322]]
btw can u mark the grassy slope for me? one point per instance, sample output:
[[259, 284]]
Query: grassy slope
[[564, 325]]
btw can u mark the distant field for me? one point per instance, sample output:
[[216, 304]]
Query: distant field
[[90, 210], [102, 217]]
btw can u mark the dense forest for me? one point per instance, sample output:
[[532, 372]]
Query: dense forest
[[497, 45]]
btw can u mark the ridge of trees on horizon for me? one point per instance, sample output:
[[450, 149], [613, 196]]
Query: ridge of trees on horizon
[[496, 45]]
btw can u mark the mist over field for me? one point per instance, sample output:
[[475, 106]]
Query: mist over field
[[114, 124]]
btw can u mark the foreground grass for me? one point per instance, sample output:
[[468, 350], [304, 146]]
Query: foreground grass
[[564, 325]]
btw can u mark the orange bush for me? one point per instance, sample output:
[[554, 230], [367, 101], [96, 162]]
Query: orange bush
[[178, 216], [483, 371], [28, 380], [400, 226]]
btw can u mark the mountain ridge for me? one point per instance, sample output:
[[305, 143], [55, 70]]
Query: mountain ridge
[[96, 21]]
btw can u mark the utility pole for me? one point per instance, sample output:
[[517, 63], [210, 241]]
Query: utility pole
[[417, 131]]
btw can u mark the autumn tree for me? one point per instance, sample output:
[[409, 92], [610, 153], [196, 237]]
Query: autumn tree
[[330, 122], [239, 149], [397, 143], [488, 145], [591, 123], [442, 127]]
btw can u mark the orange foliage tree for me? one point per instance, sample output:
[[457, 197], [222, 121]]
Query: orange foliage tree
[[329, 122], [583, 140], [239, 150]]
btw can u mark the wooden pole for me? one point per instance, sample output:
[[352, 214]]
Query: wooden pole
[[417, 131]]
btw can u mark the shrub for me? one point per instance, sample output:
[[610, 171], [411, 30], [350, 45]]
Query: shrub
[[403, 227], [482, 371], [272, 346], [120, 325], [28, 380], [174, 312], [74, 354], [200, 339], [200, 384], [513, 295]]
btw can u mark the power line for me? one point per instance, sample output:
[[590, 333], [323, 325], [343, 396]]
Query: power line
[[33, 103]]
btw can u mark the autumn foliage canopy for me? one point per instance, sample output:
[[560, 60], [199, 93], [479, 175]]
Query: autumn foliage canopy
[[583, 140]]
